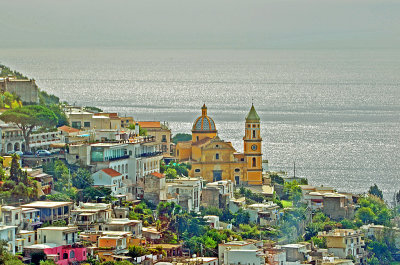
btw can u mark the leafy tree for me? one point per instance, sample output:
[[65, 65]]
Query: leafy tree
[[211, 211], [82, 179], [347, 224], [137, 251], [61, 116], [47, 262], [366, 215], [61, 197], [61, 175], [381, 251], [47, 99], [142, 132], [38, 257], [319, 242], [95, 109], [293, 191], [6, 257], [374, 190], [92, 193], [171, 173], [181, 169], [275, 178], [242, 217], [15, 168], [29, 117], [249, 232]]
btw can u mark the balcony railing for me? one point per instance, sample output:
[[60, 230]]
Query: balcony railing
[[150, 154], [117, 158]]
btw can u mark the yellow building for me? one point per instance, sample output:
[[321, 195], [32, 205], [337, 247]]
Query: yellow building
[[214, 159]]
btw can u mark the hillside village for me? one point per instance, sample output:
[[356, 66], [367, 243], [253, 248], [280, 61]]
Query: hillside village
[[83, 186]]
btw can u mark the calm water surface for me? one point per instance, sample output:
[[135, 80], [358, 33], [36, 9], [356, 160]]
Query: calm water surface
[[336, 113]]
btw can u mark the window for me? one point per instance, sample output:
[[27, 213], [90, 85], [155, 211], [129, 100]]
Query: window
[[237, 169], [197, 170], [197, 138], [217, 156], [86, 124], [29, 239], [216, 146], [164, 138], [242, 159], [44, 239], [76, 124], [16, 216], [72, 254], [254, 134], [254, 162], [65, 256]]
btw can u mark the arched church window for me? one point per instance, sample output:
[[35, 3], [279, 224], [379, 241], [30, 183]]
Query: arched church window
[[254, 134], [216, 156], [254, 162]]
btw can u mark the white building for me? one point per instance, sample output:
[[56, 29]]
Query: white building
[[133, 158], [13, 140], [109, 178], [57, 235], [24, 239], [187, 191], [239, 252], [8, 234]]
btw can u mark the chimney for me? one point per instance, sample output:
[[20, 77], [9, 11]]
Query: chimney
[[137, 129]]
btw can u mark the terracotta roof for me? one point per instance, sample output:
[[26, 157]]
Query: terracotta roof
[[149, 124], [67, 129], [202, 141], [108, 114], [111, 172], [158, 175]]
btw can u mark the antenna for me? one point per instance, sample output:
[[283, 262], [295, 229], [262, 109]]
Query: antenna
[[294, 168]]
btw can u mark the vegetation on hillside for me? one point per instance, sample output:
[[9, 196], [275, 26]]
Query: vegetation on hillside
[[181, 137]]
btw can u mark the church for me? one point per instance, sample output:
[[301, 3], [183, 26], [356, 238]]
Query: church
[[214, 159]]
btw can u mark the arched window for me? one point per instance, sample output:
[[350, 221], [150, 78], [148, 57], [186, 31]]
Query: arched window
[[72, 254], [237, 169], [254, 162], [216, 156], [254, 133], [65, 255]]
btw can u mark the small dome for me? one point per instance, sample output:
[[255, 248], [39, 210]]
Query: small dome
[[204, 123]]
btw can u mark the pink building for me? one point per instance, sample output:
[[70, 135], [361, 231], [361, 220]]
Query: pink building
[[64, 255], [61, 255]]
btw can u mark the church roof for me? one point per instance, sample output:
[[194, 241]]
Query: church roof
[[202, 141], [204, 123], [252, 116]]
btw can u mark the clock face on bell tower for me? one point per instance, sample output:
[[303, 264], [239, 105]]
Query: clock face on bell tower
[[252, 148]]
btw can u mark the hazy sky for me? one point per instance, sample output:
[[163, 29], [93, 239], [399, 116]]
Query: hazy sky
[[200, 24]]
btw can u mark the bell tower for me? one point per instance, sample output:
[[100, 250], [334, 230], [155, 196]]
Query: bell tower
[[252, 148]]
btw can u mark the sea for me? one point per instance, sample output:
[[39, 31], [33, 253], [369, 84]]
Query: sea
[[334, 113]]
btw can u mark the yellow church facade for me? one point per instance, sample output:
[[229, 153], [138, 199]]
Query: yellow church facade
[[214, 159]]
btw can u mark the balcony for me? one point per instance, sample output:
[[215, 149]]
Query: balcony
[[150, 154], [118, 158]]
